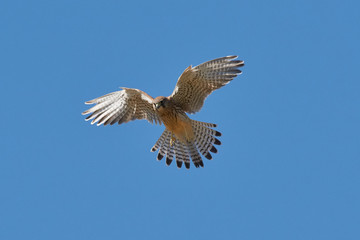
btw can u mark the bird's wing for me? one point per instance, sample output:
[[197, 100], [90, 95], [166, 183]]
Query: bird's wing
[[196, 83], [121, 107]]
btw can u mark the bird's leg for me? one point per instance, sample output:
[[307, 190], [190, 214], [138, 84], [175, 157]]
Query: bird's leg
[[172, 140]]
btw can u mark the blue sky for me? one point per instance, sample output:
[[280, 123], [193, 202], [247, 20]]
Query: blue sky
[[289, 164]]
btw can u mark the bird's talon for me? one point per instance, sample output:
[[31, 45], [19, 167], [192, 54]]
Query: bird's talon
[[172, 140]]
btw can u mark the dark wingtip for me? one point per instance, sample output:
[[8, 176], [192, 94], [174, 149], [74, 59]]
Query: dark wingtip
[[160, 156], [213, 150], [152, 149], [239, 63], [231, 56], [88, 117], [218, 134]]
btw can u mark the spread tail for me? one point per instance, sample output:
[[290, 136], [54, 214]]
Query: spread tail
[[205, 139]]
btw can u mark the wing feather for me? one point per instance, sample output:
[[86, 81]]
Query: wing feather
[[196, 83], [122, 106]]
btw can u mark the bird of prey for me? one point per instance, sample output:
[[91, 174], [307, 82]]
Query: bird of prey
[[183, 138]]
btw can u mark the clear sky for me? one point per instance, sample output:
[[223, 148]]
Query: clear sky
[[289, 164]]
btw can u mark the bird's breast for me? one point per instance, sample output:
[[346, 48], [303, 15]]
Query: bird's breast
[[179, 124]]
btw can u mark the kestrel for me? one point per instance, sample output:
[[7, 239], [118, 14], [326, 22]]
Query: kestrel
[[183, 138]]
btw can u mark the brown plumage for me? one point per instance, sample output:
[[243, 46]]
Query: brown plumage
[[183, 138]]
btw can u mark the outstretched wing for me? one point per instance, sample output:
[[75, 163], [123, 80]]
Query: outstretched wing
[[196, 83], [121, 107]]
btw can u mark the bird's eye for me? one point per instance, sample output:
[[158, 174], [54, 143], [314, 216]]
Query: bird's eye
[[157, 105]]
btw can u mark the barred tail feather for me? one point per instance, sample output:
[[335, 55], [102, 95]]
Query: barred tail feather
[[195, 156], [160, 141], [205, 139], [182, 155], [164, 148], [170, 155]]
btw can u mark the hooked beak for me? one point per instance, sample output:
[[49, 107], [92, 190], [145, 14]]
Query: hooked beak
[[157, 105]]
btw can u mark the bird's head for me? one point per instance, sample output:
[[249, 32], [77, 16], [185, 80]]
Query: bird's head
[[160, 103]]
